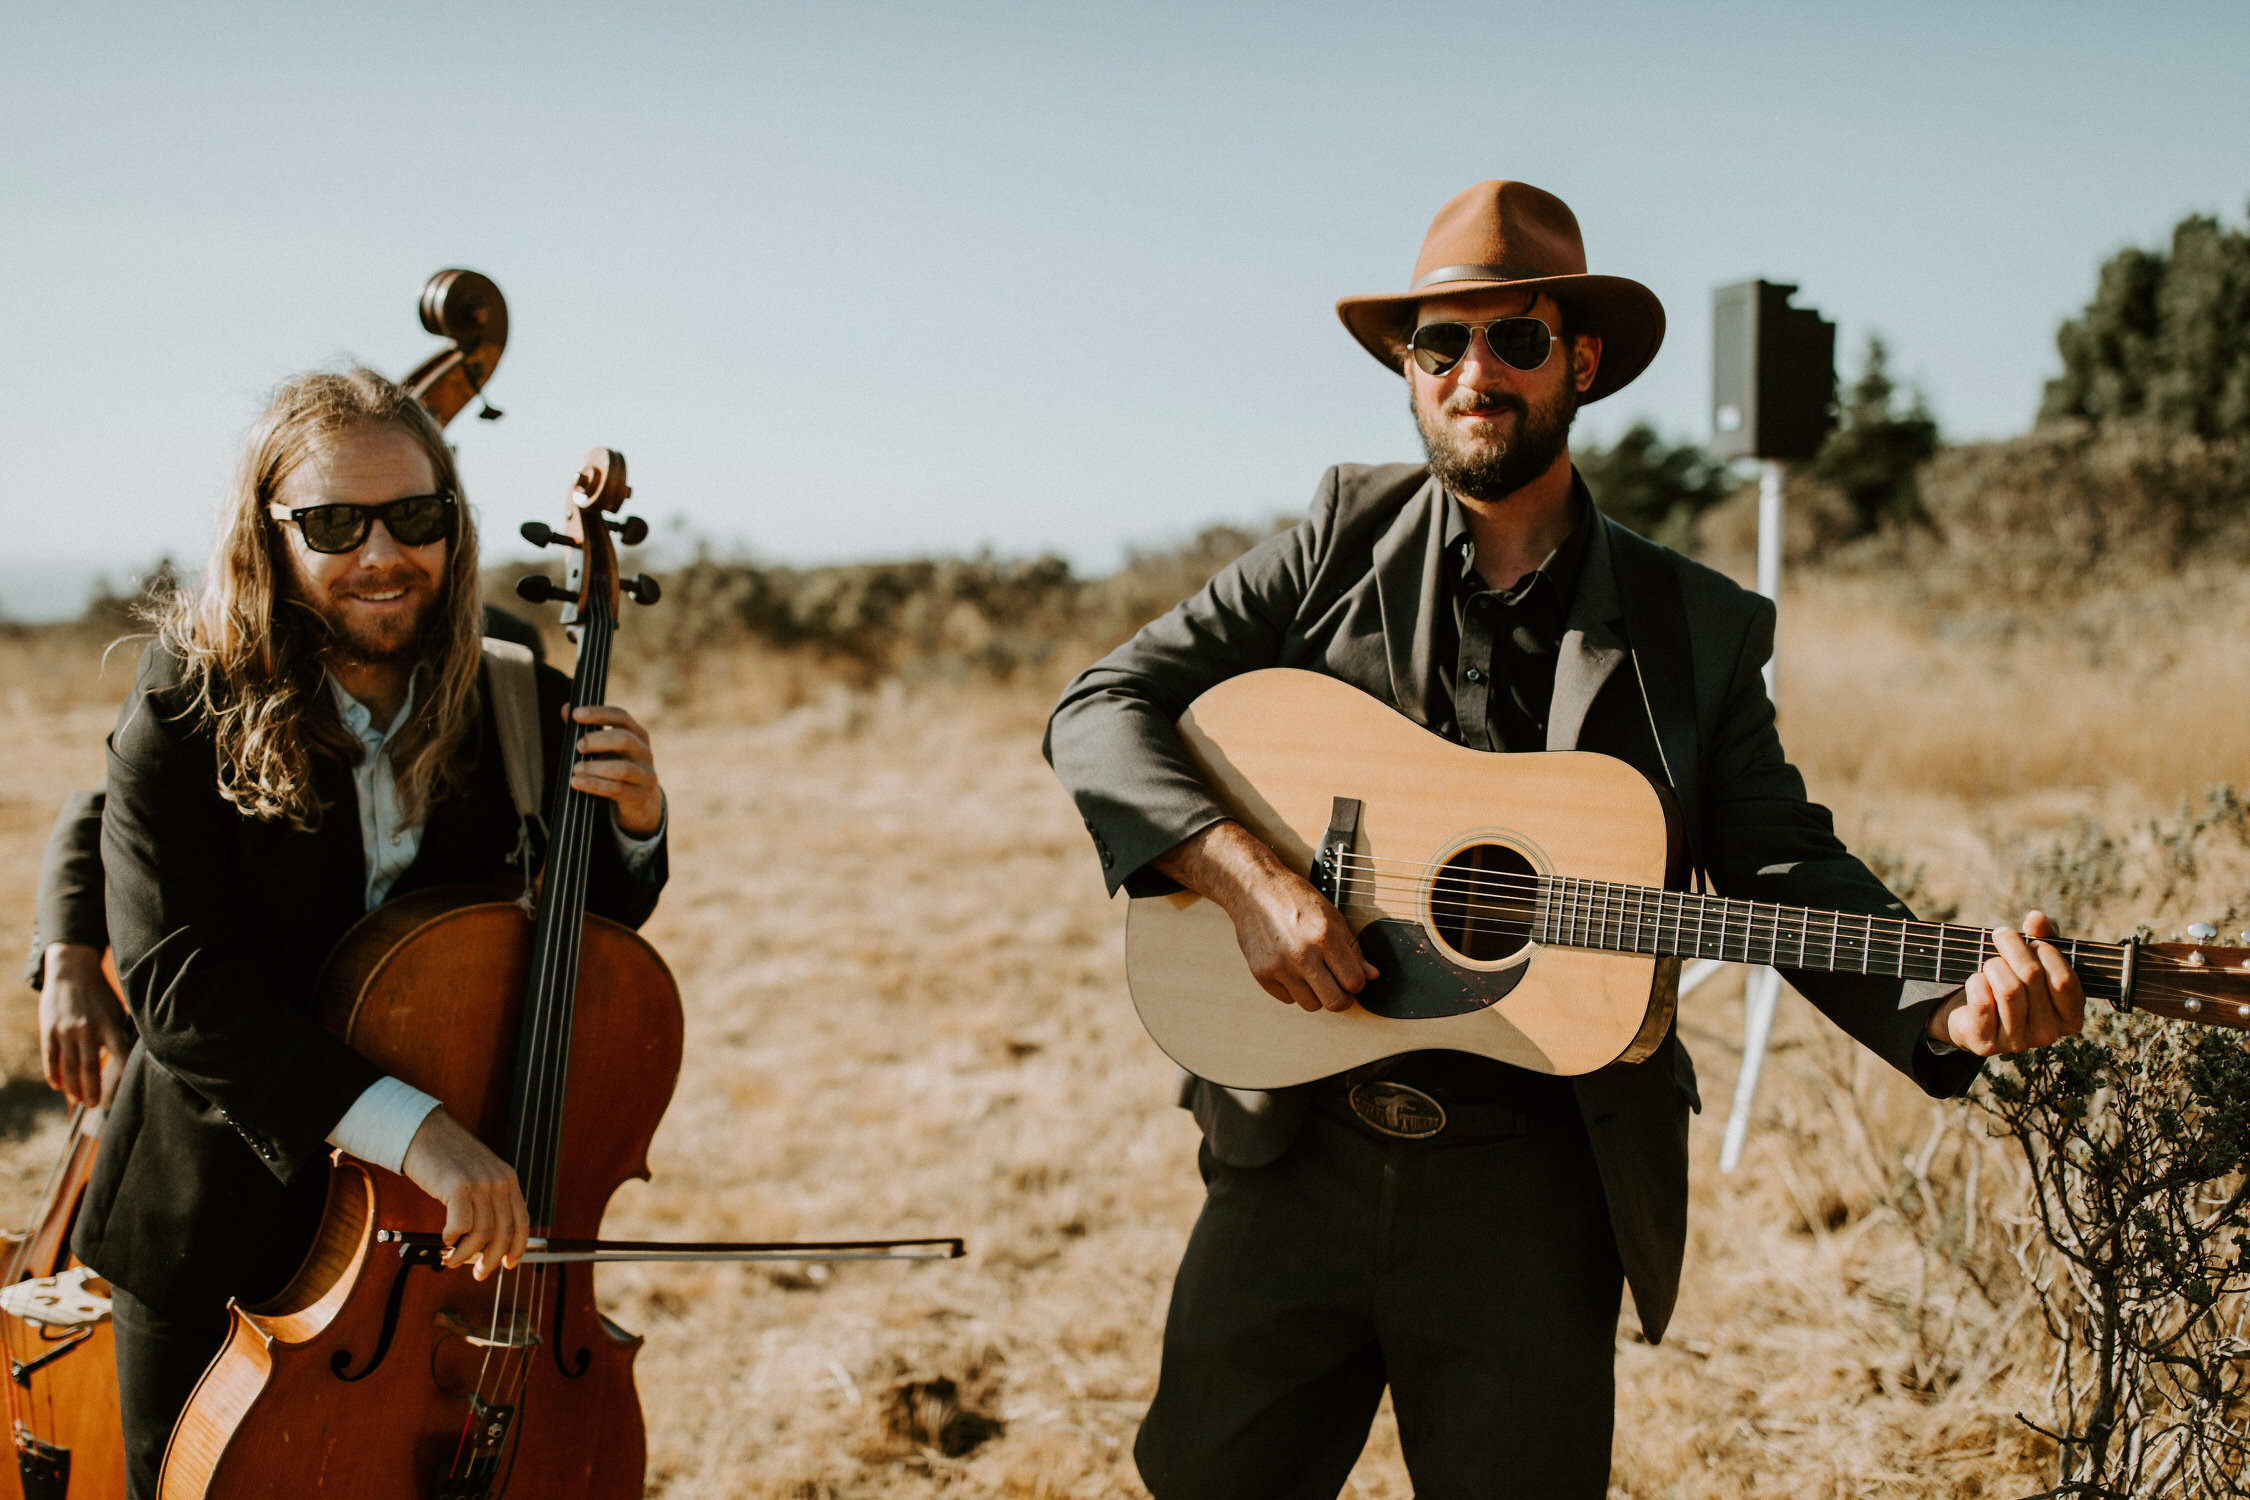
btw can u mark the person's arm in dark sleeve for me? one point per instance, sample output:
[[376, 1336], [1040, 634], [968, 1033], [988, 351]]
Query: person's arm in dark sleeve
[[1112, 738], [68, 908], [187, 949], [1768, 841]]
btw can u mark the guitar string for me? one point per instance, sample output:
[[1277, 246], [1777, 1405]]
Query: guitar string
[[1603, 908], [2145, 988], [1607, 899]]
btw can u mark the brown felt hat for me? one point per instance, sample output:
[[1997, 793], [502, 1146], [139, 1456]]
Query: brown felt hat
[[1510, 234]]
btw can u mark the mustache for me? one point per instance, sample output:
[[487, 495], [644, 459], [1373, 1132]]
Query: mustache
[[1476, 401]]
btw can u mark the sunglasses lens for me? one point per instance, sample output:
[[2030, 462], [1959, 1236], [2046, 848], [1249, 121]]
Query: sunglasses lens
[[1438, 347], [332, 528], [1521, 342], [418, 520]]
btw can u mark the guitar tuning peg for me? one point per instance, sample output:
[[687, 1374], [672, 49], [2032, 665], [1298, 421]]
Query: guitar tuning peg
[[535, 588], [643, 589], [538, 533], [2202, 932], [632, 531]]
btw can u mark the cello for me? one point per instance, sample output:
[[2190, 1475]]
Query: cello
[[54, 1312], [377, 1371]]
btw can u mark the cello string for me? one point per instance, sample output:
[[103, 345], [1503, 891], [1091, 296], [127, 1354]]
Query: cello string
[[544, 1092]]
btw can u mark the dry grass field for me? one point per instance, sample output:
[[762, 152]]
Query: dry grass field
[[906, 1016]]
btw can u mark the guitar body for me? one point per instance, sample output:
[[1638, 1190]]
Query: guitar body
[[1437, 824]]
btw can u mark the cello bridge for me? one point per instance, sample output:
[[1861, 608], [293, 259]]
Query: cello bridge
[[512, 1332]]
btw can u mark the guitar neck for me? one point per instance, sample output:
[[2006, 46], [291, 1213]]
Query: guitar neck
[[1636, 919]]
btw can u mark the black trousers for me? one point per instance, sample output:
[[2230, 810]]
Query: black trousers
[[159, 1360], [1479, 1280]]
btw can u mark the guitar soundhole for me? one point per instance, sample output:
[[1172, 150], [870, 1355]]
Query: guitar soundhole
[[1481, 903]]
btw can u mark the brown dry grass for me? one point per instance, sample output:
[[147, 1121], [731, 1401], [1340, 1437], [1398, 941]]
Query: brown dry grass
[[906, 1016]]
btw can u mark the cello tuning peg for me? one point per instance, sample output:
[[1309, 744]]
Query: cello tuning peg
[[643, 589], [632, 531], [487, 412], [540, 534], [536, 588], [2202, 932]]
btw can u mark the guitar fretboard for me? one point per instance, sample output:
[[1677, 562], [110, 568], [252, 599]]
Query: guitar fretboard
[[1636, 919]]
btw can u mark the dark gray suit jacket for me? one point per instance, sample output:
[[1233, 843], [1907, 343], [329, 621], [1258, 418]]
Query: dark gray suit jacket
[[1355, 591]]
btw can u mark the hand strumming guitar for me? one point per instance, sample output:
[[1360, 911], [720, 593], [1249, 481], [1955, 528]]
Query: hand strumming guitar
[[1300, 948]]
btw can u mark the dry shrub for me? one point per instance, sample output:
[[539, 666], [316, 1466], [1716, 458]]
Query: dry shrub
[[982, 618], [2074, 505]]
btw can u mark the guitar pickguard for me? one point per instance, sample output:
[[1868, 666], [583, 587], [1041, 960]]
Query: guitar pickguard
[[1418, 981]]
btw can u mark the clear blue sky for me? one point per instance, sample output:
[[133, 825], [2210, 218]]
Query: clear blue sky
[[849, 280]]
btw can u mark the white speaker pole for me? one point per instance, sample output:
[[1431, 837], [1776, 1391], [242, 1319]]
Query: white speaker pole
[[1761, 989]]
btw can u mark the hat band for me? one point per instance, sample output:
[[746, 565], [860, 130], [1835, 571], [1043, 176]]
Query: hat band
[[1481, 273]]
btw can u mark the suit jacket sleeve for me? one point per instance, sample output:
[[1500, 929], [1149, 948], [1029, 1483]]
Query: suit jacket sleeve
[[1112, 740], [69, 908], [614, 890], [187, 947], [1767, 841]]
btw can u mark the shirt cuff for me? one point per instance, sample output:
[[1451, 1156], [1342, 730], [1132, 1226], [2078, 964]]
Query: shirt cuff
[[381, 1123], [638, 852]]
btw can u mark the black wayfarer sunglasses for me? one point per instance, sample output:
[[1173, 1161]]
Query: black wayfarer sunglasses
[[1520, 342], [414, 521]]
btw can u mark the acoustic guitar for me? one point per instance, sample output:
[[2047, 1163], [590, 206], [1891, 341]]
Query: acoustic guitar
[[1526, 908]]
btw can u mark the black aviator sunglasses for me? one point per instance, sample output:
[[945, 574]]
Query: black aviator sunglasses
[[1519, 342], [413, 521]]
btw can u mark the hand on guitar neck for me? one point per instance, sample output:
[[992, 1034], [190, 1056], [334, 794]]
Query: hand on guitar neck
[[2024, 997], [1300, 948]]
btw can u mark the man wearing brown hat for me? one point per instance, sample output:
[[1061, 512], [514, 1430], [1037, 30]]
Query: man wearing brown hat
[[1474, 1269]]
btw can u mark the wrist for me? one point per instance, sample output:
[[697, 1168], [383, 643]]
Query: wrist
[[70, 961]]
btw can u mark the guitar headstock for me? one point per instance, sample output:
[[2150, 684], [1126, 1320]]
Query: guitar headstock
[[2198, 982], [591, 530]]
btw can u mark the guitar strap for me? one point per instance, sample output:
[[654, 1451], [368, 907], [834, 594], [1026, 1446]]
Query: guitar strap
[[513, 677], [1656, 631]]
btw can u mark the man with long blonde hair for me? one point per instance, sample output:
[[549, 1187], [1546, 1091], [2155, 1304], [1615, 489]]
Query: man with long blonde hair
[[310, 733]]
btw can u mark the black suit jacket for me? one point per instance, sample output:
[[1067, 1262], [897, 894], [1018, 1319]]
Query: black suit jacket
[[1356, 592], [214, 1161]]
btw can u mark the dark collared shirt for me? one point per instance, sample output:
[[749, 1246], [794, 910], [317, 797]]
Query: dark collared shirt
[[1495, 677], [1491, 683]]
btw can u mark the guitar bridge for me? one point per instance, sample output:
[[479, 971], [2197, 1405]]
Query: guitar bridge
[[1330, 876]]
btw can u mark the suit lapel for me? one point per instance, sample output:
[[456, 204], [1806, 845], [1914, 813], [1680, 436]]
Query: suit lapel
[[1406, 587], [1591, 645]]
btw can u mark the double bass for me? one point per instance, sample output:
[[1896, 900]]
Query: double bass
[[54, 1312]]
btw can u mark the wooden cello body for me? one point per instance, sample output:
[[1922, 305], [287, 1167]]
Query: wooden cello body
[[357, 1380]]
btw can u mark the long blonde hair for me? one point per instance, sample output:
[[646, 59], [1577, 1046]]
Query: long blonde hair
[[253, 650]]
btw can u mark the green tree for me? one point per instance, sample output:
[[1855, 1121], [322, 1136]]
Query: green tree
[[2166, 338], [1871, 457], [1654, 487]]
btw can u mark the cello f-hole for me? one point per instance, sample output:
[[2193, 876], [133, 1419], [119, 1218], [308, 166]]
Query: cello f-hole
[[581, 1361]]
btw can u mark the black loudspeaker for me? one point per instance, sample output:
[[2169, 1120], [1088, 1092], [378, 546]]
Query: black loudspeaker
[[1773, 374]]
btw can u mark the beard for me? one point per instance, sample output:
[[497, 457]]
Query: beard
[[1507, 464], [398, 641]]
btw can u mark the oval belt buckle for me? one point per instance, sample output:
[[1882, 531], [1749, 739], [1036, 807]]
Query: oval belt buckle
[[1396, 1110]]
